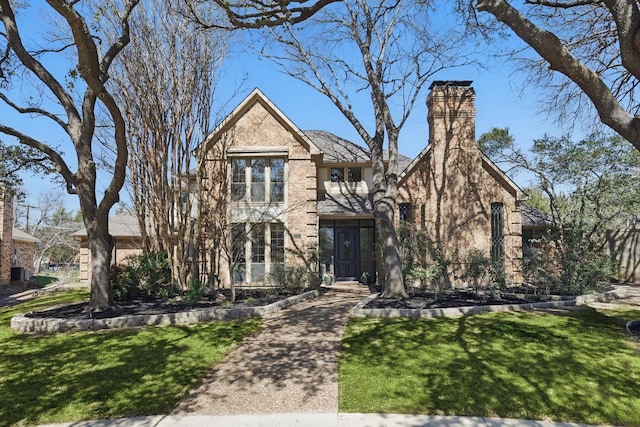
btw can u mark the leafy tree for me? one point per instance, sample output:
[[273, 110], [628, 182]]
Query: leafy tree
[[15, 160], [589, 178], [584, 185], [69, 99]]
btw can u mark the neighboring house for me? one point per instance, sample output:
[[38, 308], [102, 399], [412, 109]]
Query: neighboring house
[[274, 195], [125, 230], [6, 234], [17, 248], [24, 254]]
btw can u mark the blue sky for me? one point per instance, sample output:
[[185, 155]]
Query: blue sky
[[500, 102]]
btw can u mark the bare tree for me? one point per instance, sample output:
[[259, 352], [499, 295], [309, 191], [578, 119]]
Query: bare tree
[[54, 227], [166, 81], [590, 51], [74, 115], [387, 50]]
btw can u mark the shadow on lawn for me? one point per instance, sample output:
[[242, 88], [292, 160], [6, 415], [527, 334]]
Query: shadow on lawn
[[578, 366], [107, 374]]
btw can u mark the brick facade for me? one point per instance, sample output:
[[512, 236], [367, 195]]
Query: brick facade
[[257, 130], [451, 186], [6, 245]]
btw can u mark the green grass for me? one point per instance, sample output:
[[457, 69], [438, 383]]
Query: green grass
[[123, 373], [578, 367], [49, 278]]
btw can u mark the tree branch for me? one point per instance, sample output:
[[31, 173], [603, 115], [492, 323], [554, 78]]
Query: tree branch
[[54, 156], [551, 49]]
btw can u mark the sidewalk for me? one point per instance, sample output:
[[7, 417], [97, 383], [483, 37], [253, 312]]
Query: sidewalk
[[315, 420]]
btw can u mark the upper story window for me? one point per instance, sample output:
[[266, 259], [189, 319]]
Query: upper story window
[[238, 179], [257, 180], [337, 175], [353, 174], [277, 179], [258, 192]]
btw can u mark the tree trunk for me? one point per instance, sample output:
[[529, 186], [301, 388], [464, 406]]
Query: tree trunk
[[388, 240], [100, 246]]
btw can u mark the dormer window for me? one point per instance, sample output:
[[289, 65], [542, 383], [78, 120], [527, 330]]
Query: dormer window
[[353, 174], [337, 175]]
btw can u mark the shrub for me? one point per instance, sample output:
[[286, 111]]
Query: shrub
[[145, 275], [572, 264], [476, 268], [293, 279], [194, 292]]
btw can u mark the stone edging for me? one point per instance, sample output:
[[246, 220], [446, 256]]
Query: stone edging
[[29, 325], [360, 311]]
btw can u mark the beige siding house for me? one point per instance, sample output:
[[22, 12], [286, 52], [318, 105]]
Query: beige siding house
[[125, 230]]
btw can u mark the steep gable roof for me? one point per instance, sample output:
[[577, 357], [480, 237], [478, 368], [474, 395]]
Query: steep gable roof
[[493, 169], [256, 96]]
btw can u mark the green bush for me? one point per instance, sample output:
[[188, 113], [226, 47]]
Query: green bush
[[570, 263], [293, 279], [145, 275], [585, 265], [193, 293], [476, 268]]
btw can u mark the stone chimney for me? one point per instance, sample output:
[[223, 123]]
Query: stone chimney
[[452, 113], [6, 235]]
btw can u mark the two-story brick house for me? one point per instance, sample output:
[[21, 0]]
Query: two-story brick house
[[274, 194]]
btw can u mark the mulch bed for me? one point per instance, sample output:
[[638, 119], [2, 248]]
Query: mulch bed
[[219, 298], [456, 298]]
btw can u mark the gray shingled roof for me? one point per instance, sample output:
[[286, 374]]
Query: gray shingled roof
[[340, 150], [532, 217], [345, 204], [336, 149], [120, 225]]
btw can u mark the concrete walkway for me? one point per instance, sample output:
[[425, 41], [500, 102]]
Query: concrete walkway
[[290, 365]]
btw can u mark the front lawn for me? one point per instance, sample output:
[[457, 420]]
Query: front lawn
[[111, 374], [577, 366]]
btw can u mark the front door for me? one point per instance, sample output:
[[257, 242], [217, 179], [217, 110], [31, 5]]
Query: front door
[[347, 264]]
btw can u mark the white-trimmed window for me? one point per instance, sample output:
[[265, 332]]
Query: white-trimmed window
[[257, 179], [257, 250]]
